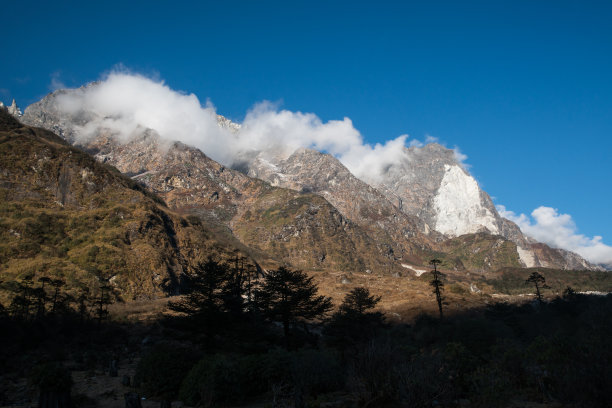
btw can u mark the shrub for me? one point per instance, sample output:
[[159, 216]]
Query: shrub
[[380, 374], [162, 369], [213, 379], [227, 379], [51, 377]]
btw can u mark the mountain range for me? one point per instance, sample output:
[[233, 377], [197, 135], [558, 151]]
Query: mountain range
[[303, 208]]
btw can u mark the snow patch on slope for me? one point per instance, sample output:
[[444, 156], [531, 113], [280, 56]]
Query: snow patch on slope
[[526, 256], [458, 205], [418, 272]]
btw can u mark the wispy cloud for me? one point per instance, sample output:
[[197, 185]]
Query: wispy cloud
[[461, 157], [23, 80], [56, 82], [547, 225]]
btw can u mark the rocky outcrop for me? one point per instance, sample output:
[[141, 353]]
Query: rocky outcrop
[[432, 185], [12, 110]]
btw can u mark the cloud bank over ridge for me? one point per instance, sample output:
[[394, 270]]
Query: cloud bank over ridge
[[127, 104], [559, 230]]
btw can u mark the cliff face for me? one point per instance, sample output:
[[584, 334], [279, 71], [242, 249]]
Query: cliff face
[[432, 185]]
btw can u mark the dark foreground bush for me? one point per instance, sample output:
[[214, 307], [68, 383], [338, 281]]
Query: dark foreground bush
[[54, 383], [230, 379], [382, 374], [161, 371]]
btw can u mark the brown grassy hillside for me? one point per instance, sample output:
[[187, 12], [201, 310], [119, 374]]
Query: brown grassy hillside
[[63, 214]]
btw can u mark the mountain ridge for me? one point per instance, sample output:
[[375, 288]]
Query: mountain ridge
[[404, 209]]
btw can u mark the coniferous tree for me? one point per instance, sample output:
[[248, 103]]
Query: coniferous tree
[[42, 295], [57, 284], [234, 287], [358, 301], [82, 300], [22, 301], [569, 293], [354, 323], [539, 282], [208, 295], [288, 296], [102, 302], [437, 284]]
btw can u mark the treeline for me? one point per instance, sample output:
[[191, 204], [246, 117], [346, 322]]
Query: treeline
[[511, 281], [270, 347], [35, 299], [241, 336]]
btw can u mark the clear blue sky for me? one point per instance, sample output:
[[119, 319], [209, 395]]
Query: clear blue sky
[[524, 88]]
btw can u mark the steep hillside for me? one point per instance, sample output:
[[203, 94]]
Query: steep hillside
[[64, 214], [310, 171], [193, 184]]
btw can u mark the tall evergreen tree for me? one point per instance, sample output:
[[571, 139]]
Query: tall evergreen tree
[[354, 323], [539, 282], [208, 294], [437, 284], [288, 296]]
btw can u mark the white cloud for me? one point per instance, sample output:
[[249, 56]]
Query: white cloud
[[559, 230], [127, 103], [461, 158], [431, 139]]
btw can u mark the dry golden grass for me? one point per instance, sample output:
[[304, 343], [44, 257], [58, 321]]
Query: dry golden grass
[[403, 298], [139, 311]]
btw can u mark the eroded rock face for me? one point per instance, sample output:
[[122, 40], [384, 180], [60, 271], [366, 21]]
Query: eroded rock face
[[90, 222], [432, 185]]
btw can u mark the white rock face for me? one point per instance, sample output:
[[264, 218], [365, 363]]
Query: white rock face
[[14, 109], [458, 205], [527, 257]]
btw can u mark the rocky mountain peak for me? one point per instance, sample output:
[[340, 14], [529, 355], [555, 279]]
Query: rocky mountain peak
[[13, 109], [228, 124]]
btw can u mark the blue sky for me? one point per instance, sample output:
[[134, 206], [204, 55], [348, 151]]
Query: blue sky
[[523, 88]]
